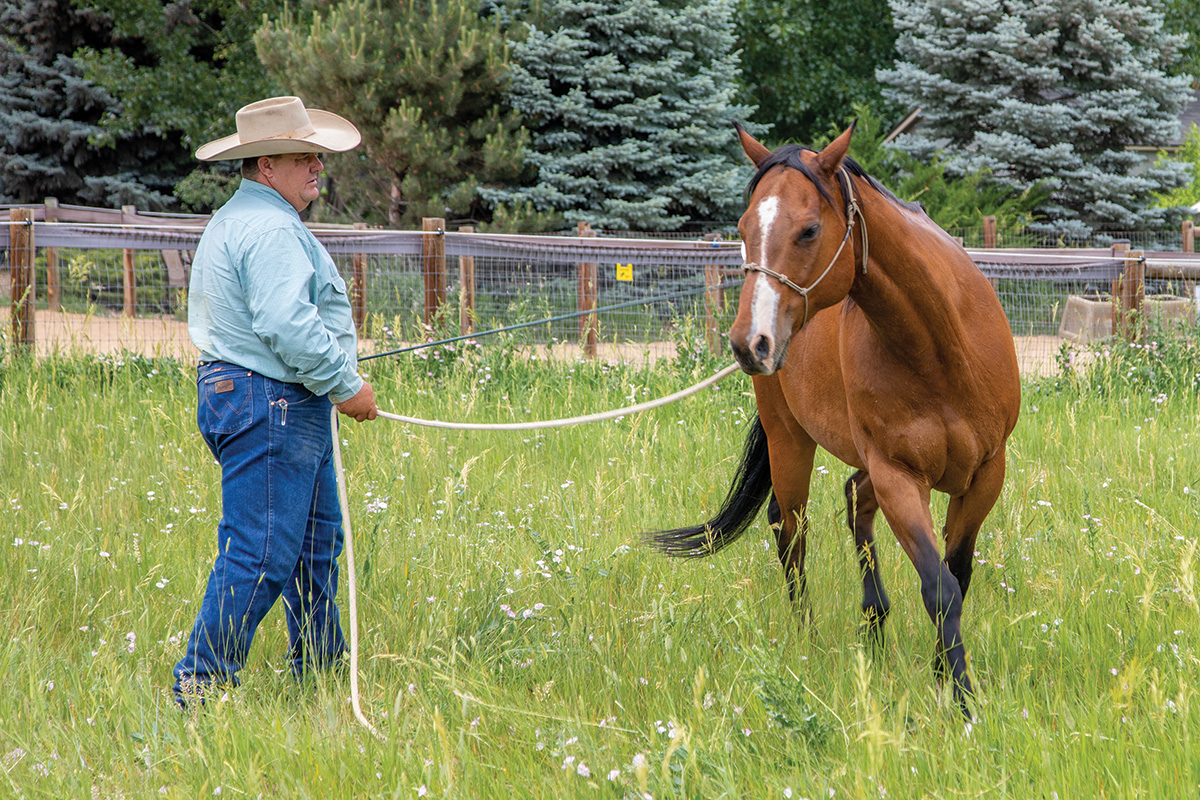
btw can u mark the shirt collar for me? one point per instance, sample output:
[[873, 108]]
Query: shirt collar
[[262, 191]]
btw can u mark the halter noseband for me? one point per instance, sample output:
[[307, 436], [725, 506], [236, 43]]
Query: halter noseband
[[852, 211]]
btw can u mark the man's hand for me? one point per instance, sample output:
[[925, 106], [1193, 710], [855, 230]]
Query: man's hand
[[362, 406]]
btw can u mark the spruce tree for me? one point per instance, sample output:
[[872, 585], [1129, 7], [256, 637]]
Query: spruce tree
[[1053, 92], [423, 82], [629, 105], [51, 142]]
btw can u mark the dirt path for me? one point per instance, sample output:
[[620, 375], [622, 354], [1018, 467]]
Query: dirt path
[[166, 336]]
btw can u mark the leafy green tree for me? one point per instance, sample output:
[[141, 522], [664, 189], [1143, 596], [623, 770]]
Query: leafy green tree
[[806, 63], [182, 65], [180, 68], [51, 140], [1188, 195], [1055, 92], [1182, 17], [629, 104], [423, 82]]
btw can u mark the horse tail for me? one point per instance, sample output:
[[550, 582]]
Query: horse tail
[[751, 487]]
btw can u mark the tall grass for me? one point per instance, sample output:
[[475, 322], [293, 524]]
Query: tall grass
[[519, 640]]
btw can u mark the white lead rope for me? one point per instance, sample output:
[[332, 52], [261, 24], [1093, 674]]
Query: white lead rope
[[464, 426], [562, 423], [345, 504]]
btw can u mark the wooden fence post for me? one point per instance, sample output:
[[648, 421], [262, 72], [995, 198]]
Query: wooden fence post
[[714, 300], [433, 268], [1119, 248], [358, 286], [53, 272], [24, 278], [130, 282], [466, 282], [1129, 291], [989, 231], [587, 285], [1189, 236]]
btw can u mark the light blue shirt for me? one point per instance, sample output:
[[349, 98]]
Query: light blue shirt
[[265, 295]]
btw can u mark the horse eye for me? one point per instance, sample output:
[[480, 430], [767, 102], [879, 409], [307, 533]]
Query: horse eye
[[807, 233]]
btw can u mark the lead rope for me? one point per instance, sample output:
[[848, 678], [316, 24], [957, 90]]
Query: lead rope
[[345, 505], [461, 426]]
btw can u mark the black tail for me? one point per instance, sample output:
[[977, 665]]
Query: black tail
[[751, 486]]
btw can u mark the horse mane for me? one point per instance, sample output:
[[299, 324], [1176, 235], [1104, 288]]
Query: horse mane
[[788, 155]]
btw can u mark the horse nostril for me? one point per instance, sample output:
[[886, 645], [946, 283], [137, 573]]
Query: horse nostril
[[762, 348]]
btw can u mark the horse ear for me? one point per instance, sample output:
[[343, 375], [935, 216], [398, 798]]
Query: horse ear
[[831, 157], [756, 151]]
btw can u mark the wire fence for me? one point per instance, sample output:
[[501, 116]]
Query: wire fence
[[109, 288]]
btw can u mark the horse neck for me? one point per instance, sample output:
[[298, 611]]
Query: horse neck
[[911, 289]]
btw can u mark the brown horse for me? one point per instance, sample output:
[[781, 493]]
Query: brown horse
[[871, 333]]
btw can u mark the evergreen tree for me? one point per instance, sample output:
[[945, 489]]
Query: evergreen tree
[[951, 202], [629, 104], [423, 82], [1055, 92], [808, 62], [51, 143]]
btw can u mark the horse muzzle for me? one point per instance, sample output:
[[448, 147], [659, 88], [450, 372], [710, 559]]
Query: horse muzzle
[[760, 353]]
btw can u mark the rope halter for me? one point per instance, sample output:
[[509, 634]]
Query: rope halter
[[853, 211]]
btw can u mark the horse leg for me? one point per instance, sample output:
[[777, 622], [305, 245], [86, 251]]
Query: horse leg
[[791, 543], [905, 503], [964, 516], [792, 451], [861, 507]]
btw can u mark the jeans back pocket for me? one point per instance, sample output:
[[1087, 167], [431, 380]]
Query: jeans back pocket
[[226, 401]]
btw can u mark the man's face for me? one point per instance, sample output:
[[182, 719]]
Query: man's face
[[294, 176]]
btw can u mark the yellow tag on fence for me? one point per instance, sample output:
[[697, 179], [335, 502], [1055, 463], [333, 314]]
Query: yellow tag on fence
[[625, 272]]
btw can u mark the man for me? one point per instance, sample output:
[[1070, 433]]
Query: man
[[270, 316]]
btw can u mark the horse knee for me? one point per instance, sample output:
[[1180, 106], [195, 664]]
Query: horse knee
[[942, 598]]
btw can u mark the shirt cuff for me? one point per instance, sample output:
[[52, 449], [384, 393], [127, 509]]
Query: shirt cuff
[[347, 389]]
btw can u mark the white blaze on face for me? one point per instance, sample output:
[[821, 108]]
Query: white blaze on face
[[766, 298]]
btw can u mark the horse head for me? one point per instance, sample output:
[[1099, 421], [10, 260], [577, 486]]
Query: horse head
[[795, 233]]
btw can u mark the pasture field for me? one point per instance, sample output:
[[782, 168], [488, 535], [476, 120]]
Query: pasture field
[[520, 641]]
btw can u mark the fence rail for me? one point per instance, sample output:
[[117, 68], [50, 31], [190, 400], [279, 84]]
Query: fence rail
[[111, 281]]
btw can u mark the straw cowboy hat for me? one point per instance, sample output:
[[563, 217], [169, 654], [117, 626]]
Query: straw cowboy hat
[[282, 125]]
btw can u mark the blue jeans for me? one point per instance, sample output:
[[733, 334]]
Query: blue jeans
[[280, 529]]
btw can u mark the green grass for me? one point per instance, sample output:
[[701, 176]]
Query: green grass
[[516, 633]]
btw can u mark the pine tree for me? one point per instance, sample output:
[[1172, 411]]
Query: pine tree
[[423, 82], [629, 104], [1055, 92], [51, 143]]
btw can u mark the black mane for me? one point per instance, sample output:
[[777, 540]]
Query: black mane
[[788, 155]]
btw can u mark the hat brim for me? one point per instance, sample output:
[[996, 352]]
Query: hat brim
[[331, 134]]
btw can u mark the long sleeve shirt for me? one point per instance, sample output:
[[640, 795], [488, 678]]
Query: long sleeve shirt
[[265, 295]]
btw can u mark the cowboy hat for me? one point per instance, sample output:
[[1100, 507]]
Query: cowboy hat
[[282, 125]]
